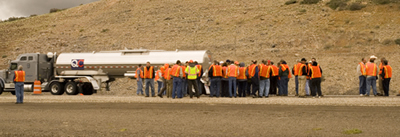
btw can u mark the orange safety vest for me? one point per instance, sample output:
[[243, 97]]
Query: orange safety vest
[[183, 69], [296, 68], [140, 73], [232, 71], [252, 70], [19, 76], [265, 70], [200, 68], [217, 71], [284, 67], [224, 75], [242, 73], [167, 73], [300, 70], [175, 70], [362, 66], [370, 68], [148, 74], [316, 72], [275, 70], [388, 71], [157, 77]]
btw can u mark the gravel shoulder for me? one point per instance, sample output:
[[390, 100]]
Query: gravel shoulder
[[341, 100], [190, 119]]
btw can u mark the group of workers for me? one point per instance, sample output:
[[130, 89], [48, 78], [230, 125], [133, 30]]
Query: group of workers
[[231, 79], [368, 74]]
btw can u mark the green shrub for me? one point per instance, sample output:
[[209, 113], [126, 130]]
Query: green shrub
[[382, 1], [310, 1], [303, 10], [13, 19], [104, 30], [4, 56], [334, 4], [397, 41], [290, 2], [352, 131], [355, 6]]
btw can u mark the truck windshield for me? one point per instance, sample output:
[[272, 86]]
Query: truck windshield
[[13, 66]]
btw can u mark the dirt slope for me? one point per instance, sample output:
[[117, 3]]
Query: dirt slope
[[234, 29]]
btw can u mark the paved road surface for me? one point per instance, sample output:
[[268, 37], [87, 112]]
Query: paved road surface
[[190, 119]]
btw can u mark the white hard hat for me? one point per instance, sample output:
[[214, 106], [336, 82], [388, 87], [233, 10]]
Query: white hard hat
[[221, 62], [373, 57]]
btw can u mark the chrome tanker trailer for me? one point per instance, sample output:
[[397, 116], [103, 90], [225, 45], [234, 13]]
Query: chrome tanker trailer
[[75, 73]]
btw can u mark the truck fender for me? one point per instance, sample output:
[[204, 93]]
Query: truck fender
[[2, 83], [47, 87]]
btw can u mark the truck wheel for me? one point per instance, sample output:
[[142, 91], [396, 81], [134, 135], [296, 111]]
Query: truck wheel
[[87, 89], [71, 88], [13, 92], [56, 88], [1, 90]]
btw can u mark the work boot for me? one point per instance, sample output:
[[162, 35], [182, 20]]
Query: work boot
[[146, 96], [160, 96]]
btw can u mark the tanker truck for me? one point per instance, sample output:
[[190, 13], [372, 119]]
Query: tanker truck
[[74, 73]]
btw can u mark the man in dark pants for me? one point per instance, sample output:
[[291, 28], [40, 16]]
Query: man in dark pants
[[274, 79], [284, 74], [215, 74], [224, 81], [199, 76], [255, 79], [191, 73], [242, 80], [315, 74], [386, 75], [248, 85]]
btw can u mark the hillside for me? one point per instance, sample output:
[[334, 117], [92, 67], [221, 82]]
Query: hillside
[[230, 29]]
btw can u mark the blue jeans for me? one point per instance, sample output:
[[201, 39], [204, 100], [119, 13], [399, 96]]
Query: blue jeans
[[19, 91], [363, 84], [176, 88], [283, 83], [184, 87], [308, 87], [264, 87], [160, 85], [232, 86], [215, 86], [371, 81], [296, 81], [149, 83], [139, 86]]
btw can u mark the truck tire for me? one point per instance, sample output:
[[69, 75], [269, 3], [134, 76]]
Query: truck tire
[[1, 90], [71, 88], [87, 89], [12, 92], [57, 88]]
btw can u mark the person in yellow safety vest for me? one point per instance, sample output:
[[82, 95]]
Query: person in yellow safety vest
[[192, 71], [362, 76], [372, 71], [386, 75], [19, 79], [232, 72]]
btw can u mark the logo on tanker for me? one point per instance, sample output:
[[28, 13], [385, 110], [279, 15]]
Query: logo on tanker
[[77, 64]]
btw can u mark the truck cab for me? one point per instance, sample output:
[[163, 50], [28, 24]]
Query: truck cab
[[36, 66]]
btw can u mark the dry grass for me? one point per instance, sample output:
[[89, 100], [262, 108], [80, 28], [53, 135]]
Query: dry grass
[[238, 30]]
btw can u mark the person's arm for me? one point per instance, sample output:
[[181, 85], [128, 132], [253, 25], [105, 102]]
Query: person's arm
[[238, 72], [309, 74], [377, 70], [210, 72], [14, 78], [155, 73], [201, 72], [293, 70], [257, 71], [180, 72], [359, 70], [383, 73], [320, 69]]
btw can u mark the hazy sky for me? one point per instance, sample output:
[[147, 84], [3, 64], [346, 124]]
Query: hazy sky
[[18, 8]]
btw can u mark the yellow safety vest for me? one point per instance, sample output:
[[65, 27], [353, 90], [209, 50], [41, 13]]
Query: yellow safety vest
[[192, 72]]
